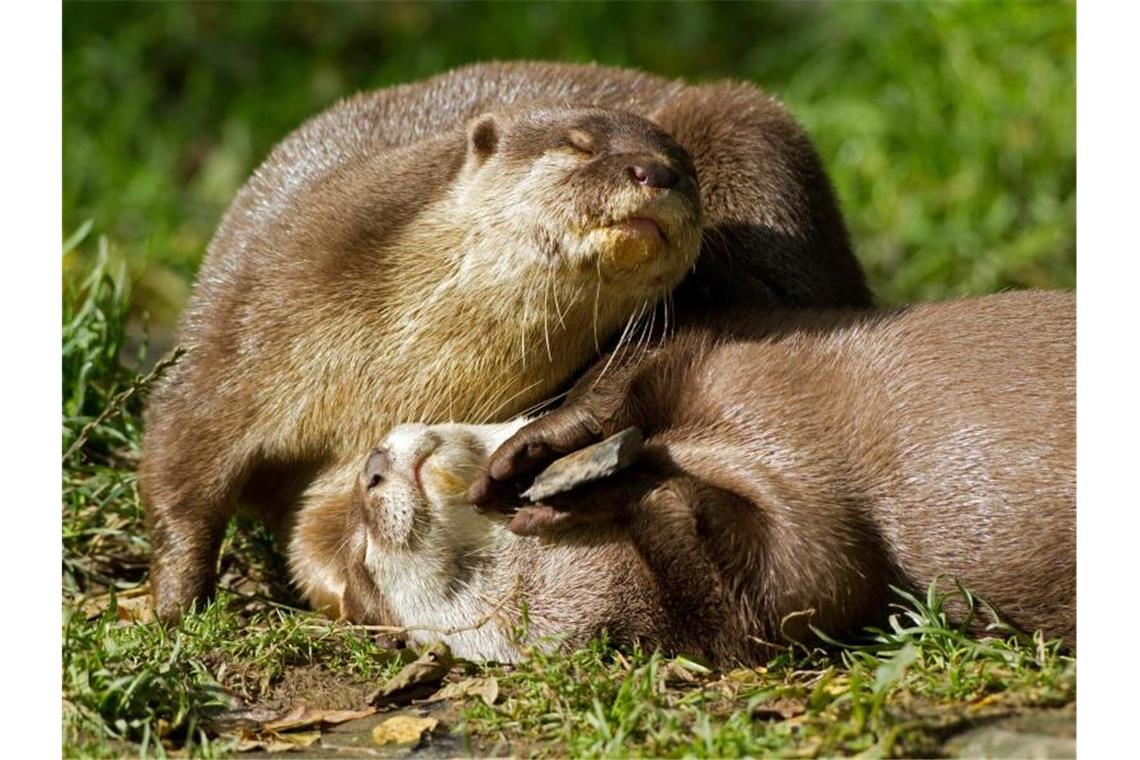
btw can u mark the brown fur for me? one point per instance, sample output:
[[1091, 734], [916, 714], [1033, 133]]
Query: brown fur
[[802, 462], [322, 314]]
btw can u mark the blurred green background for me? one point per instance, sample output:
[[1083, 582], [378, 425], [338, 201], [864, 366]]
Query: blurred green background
[[949, 129]]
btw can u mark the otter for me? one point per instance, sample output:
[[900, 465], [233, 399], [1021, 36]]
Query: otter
[[796, 465], [460, 248]]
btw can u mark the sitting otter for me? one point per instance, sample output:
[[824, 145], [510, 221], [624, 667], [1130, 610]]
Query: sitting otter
[[795, 466], [460, 248]]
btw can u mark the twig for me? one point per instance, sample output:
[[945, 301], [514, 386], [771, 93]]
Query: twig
[[479, 623], [120, 400], [784, 627]]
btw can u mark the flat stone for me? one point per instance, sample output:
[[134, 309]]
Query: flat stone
[[1049, 734], [593, 463]]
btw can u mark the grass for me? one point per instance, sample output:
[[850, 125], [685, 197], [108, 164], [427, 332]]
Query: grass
[[137, 688], [898, 696]]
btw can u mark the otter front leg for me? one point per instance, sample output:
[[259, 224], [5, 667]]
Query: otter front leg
[[597, 408], [662, 510], [189, 500], [189, 480]]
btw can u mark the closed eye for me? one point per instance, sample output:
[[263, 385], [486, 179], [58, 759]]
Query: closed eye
[[580, 142]]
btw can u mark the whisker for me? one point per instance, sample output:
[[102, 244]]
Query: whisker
[[495, 411], [545, 312], [597, 297], [616, 350], [535, 407]]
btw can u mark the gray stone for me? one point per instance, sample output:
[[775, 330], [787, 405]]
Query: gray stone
[[593, 463]]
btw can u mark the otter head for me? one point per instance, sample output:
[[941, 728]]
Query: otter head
[[425, 558], [412, 490], [593, 193]]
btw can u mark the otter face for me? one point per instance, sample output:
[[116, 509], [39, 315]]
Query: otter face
[[593, 192], [433, 560], [413, 488]]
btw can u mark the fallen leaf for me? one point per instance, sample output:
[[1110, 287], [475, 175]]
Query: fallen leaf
[[740, 675], [244, 718], [417, 679], [984, 701], [675, 674], [486, 689], [402, 729], [779, 709], [692, 665], [303, 716], [279, 742], [133, 606]]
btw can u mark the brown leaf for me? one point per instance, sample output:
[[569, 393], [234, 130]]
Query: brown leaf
[[417, 679], [303, 716], [778, 709], [402, 729], [675, 674], [486, 689], [132, 605], [279, 742]]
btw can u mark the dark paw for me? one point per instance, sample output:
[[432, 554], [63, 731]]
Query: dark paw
[[529, 450]]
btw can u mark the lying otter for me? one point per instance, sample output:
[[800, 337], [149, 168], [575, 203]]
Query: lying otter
[[795, 466], [460, 248]]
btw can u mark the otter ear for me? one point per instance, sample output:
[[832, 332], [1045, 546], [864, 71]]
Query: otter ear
[[483, 137]]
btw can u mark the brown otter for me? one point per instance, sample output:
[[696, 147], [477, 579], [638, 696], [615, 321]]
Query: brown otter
[[793, 463], [385, 264]]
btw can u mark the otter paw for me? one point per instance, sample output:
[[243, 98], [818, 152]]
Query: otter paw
[[532, 448]]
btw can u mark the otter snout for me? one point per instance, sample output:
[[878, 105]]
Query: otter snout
[[654, 174], [376, 468]]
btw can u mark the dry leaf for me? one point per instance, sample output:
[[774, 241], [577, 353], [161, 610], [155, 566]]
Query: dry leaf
[[417, 679], [486, 689], [303, 716], [692, 665], [779, 709], [740, 675], [133, 606], [280, 742], [675, 674], [402, 729]]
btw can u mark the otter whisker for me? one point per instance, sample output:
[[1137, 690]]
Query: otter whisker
[[617, 348], [558, 309], [511, 398], [545, 313], [480, 413], [597, 298], [492, 392], [536, 406]]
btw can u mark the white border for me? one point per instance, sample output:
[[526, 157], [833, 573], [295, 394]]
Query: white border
[[31, 309], [1108, 207]]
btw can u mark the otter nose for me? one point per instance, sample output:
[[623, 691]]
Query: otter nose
[[376, 468], [653, 174]]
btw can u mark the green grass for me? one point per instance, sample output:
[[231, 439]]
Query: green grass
[[949, 130], [898, 696]]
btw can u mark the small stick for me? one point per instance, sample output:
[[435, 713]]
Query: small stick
[[122, 398]]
